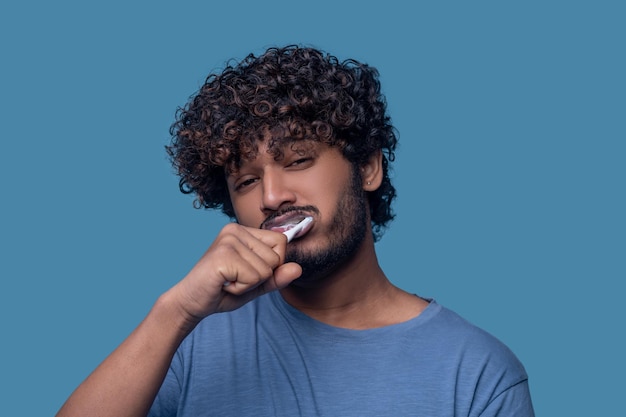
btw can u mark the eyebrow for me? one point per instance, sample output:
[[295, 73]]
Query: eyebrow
[[277, 147]]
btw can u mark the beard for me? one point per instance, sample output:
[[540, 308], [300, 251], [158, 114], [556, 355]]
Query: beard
[[345, 235]]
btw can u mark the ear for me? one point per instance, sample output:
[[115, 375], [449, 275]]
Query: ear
[[372, 172]]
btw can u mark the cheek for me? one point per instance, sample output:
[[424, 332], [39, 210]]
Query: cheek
[[329, 196], [247, 211], [333, 175]]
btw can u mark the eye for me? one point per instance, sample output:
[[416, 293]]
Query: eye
[[245, 183], [301, 162]]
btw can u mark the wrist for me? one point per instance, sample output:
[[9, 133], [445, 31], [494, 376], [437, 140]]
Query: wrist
[[168, 310]]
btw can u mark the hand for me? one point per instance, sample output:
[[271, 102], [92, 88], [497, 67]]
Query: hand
[[249, 261]]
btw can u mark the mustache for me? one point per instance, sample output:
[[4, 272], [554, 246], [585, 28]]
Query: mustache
[[290, 209]]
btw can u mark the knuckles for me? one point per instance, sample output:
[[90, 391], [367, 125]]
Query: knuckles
[[237, 256]]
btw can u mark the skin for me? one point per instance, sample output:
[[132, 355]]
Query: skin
[[354, 293]]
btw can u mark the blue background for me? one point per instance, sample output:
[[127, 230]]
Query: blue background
[[510, 173]]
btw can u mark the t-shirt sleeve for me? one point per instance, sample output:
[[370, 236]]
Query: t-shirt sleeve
[[166, 402], [513, 402]]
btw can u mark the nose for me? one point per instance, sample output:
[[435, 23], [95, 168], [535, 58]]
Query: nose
[[277, 192]]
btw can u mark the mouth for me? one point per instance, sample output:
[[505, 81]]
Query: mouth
[[298, 230], [292, 225]]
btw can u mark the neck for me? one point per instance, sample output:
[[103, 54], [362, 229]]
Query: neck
[[356, 295]]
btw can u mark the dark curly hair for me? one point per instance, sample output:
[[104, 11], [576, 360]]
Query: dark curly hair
[[284, 95]]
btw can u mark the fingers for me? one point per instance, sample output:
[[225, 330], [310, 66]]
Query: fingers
[[248, 256], [283, 276]]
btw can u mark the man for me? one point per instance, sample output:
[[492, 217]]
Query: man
[[263, 327]]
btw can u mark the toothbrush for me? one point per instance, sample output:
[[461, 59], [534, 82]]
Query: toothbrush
[[290, 233]]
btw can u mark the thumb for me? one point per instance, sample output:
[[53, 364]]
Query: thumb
[[285, 274]]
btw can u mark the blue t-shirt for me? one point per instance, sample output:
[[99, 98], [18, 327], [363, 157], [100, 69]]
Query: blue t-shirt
[[269, 359]]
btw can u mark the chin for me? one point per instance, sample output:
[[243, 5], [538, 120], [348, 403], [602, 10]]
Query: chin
[[321, 263], [310, 280]]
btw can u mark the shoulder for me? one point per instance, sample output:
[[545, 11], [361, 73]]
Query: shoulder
[[476, 366], [482, 359], [453, 333], [471, 335]]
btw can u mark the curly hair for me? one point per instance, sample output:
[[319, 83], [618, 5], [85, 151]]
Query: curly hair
[[285, 95]]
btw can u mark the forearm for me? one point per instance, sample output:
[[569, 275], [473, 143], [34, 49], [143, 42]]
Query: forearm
[[126, 382]]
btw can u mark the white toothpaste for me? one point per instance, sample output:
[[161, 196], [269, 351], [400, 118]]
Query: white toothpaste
[[293, 231]]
